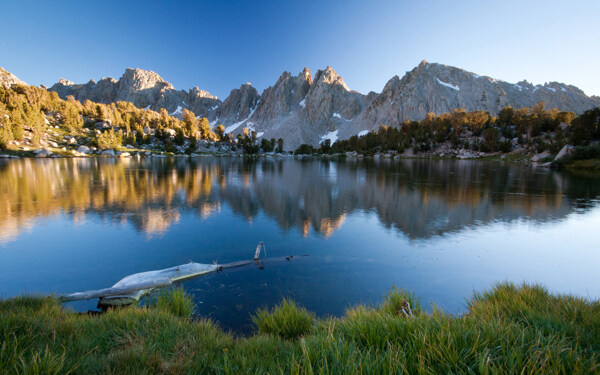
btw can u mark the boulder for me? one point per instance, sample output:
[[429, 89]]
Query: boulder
[[567, 150], [539, 157], [72, 141], [124, 155], [42, 152], [84, 149], [102, 125], [109, 152]]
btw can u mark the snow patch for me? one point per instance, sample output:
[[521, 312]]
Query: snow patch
[[363, 133], [303, 103], [335, 114], [476, 75], [147, 108], [260, 134], [332, 136], [519, 87], [448, 85], [563, 89], [551, 89], [177, 111], [215, 107], [231, 128]]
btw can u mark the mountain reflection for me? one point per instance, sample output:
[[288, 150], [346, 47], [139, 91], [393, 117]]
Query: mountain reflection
[[420, 198]]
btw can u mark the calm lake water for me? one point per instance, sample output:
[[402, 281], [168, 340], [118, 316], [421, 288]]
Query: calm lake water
[[441, 229]]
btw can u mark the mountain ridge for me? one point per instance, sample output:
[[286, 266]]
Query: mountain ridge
[[306, 109]]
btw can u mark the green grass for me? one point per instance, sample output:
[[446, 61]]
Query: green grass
[[286, 320], [508, 329], [176, 302], [583, 158]]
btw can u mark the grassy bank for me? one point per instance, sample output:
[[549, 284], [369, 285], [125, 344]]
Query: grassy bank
[[507, 330], [583, 157]]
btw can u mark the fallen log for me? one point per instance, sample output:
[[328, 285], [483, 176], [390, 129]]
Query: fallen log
[[131, 288]]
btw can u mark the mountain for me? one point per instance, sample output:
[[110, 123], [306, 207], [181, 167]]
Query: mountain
[[8, 79], [306, 109], [143, 88]]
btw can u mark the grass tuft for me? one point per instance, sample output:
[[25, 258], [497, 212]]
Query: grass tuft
[[175, 301], [286, 320]]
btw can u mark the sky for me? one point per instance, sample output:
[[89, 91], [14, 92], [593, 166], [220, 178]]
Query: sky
[[220, 45]]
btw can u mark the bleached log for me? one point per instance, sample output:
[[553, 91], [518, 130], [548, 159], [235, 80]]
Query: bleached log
[[133, 287], [114, 291]]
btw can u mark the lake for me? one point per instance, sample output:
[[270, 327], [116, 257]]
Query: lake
[[441, 229]]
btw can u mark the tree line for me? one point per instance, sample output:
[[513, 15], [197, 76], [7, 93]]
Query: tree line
[[26, 112], [536, 128]]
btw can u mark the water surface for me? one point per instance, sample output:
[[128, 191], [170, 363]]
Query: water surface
[[441, 229]]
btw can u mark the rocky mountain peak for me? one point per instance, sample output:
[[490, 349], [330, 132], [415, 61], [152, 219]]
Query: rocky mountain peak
[[329, 77], [139, 79], [195, 91], [305, 74], [239, 105], [8, 79], [65, 82], [143, 88]]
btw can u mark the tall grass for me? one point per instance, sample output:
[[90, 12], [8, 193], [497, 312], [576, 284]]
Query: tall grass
[[286, 320], [508, 329], [175, 301]]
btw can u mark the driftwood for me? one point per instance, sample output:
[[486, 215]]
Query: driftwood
[[113, 291], [131, 288]]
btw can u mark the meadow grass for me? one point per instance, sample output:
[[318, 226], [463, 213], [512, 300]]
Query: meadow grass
[[508, 329]]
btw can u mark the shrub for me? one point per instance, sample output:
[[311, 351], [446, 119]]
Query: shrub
[[109, 139], [286, 320]]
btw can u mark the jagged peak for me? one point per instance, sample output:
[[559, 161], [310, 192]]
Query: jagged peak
[[392, 83], [137, 72], [91, 82], [284, 76], [65, 82], [329, 76], [305, 73], [140, 79], [423, 63], [201, 93]]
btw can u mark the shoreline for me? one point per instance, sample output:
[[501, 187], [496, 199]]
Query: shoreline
[[506, 329]]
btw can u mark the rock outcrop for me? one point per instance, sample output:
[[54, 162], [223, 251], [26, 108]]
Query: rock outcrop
[[303, 109], [8, 79]]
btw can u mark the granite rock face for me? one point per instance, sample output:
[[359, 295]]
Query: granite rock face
[[237, 108], [306, 109], [8, 79], [439, 88], [145, 89]]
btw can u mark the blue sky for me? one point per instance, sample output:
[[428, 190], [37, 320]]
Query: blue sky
[[219, 45]]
